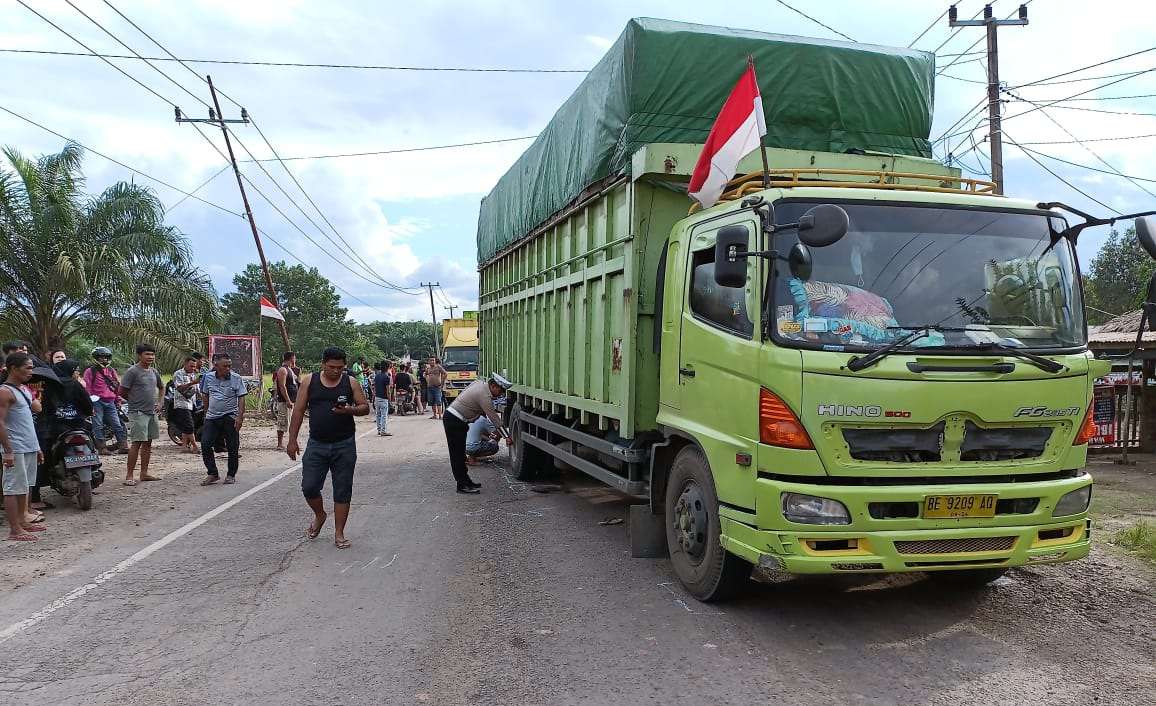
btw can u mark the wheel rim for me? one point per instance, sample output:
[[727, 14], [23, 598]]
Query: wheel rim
[[690, 521]]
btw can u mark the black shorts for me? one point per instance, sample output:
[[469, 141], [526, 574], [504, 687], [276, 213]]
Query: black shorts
[[182, 420], [323, 458]]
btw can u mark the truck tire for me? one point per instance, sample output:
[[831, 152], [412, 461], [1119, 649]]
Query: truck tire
[[966, 578], [526, 461], [84, 495], [705, 569]]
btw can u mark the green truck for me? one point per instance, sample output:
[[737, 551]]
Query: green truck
[[858, 362]]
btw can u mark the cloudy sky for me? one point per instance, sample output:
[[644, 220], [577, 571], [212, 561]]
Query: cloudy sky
[[412, 216]]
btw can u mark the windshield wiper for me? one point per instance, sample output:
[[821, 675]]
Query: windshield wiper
[[917, 332], [1045, 364]]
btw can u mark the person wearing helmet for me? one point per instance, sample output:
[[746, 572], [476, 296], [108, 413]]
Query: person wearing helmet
[[475, 401], [102, 383]]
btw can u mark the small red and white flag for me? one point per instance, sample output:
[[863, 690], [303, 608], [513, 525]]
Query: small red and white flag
[[737, 132], [267, 309]]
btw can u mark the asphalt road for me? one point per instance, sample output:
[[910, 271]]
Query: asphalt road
[[516, 597]]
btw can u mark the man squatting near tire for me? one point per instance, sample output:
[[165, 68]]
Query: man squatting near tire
[[333, 401], [475, 401]]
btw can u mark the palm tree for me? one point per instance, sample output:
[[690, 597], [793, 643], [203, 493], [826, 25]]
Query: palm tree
[[106, 268]]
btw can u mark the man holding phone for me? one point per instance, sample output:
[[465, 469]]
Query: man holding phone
[[333, 401]]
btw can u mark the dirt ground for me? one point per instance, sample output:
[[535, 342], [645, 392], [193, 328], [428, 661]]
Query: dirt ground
[[123, 515]]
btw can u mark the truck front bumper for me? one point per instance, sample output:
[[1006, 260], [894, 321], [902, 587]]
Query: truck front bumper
[[910, 550], [912, 543]]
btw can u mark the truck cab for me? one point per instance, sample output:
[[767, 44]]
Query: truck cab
[[460, 354], [907, 390]]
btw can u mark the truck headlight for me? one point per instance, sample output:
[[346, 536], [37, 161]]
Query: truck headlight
[[1073, 503], [810, 510]]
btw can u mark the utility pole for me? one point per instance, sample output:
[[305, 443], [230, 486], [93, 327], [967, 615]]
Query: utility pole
[[452, 308], [218, 118], [995, 133], [433, 316]]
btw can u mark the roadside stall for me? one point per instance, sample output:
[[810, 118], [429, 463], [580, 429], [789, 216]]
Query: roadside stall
[[1123, 401]]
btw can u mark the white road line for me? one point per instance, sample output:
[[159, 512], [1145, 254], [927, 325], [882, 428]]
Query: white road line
[[390, 562], [79, 592]]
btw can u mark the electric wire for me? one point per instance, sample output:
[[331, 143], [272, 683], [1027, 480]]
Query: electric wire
[[1084, 92], [1069, 184], [302, 65], [400, 150], [1085, 166], [1090, 139], [956, 32], [301, 188], [204, 183], [928, 27], [126, 46], [981, 38], [1047, 79], [1089, 150], [94, 53], [821, 24]]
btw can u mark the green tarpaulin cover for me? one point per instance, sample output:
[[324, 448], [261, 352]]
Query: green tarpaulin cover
[[665, 81]]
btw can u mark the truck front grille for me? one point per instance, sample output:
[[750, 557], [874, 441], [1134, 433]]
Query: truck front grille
[[896, 445], [1003, 444], [953, 546]]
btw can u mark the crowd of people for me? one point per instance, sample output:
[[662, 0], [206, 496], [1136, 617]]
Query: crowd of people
[[41, 398]]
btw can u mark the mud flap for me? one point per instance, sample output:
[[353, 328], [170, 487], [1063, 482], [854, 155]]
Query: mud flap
[[647, 533]]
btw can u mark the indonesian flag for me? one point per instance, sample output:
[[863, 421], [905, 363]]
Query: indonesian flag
[[267, 309], [737, 131]]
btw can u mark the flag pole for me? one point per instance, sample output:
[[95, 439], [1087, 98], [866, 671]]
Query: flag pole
[[762, 140]]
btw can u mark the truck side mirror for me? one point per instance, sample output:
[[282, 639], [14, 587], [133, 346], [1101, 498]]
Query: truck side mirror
[[730, 256], [799, 260], [1146, 234], [823, 225]]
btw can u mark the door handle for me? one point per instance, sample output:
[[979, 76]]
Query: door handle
[[688, 372]]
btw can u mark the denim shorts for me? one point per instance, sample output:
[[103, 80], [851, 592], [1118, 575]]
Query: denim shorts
[[434, 395], [323, 458]]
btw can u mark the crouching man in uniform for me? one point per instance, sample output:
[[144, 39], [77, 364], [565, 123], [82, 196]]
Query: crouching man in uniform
[[476, 401]]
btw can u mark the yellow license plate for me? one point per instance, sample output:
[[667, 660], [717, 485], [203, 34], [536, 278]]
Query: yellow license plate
[[937, 507]]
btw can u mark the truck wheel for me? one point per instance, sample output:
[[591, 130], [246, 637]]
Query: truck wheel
[[84, 495], [525, 460], [706, 570], [967, 578]]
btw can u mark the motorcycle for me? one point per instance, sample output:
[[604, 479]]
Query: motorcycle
[[74, 466], [406, 404]]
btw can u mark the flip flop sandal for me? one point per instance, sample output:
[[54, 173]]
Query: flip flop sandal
[[230, 480], [129, 483], [210, 480], [22, 538], [37, 517], [35, 528], [342, 544]]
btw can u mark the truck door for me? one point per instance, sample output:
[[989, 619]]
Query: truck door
[[718, 354]]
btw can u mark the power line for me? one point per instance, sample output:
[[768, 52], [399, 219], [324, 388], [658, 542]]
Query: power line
[[1041, 81], [194, 191], [1049, 104], [1097, 110], [1101, 98], [401, 150], [151, 65], [1057, 176], [926, 29], [317, 208], [304, 65], [821, 24], [981, 38], [1085, 166], [1091, 139], [957, 31], [1086, 148], [1082, 80], [162, 182], [94, 53], [117, 162]]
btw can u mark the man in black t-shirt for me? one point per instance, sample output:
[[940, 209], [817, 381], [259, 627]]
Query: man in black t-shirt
[[333, 401], [403, 383]]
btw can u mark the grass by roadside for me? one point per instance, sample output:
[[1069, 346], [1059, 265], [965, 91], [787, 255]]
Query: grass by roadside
[[1139, 540]]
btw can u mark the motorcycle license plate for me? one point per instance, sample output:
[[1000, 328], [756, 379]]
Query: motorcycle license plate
[[81, 461], [955, 506]]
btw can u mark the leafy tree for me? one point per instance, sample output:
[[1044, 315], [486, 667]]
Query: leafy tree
[[103, 268], [312, 310], [1117, 277], [400, 338]]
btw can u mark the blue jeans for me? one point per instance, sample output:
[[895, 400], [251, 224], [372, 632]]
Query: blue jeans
[[381, 405], [104, 412]]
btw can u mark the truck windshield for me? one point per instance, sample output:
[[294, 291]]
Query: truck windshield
[[460, 358], [976, 277]]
